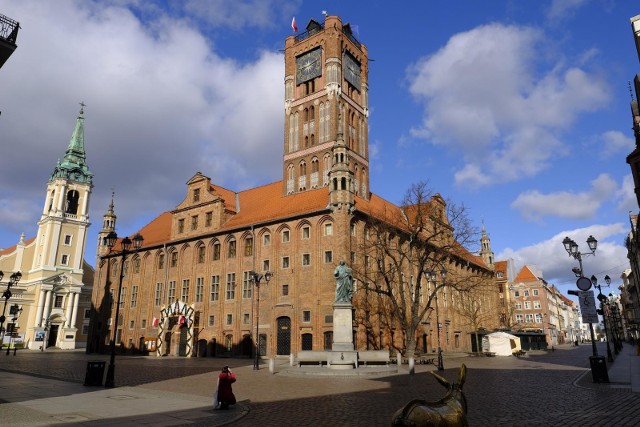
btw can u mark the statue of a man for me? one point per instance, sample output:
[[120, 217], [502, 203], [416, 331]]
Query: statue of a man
[[344, 283]]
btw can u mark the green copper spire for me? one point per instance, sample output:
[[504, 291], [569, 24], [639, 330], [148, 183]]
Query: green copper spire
[[73, 165]]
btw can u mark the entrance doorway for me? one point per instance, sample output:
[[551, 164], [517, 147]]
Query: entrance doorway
[[182, 347], [53, 335], [284, 336]]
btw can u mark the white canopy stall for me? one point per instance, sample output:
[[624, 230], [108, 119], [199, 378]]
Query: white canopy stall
[[501, 343]]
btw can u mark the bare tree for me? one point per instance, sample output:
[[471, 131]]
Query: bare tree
[[477, 305], [402, 245]]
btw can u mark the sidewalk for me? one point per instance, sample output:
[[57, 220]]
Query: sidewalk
[[624, 371], [33, 401]]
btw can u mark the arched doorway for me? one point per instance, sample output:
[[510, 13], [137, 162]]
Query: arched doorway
[[284, 336], [247, 346], [182, 347]]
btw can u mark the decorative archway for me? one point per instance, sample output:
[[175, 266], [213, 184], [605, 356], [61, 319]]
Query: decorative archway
[[176, 313]]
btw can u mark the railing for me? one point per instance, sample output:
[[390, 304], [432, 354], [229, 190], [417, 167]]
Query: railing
[[315, 30], [309, 33], [8, 29]]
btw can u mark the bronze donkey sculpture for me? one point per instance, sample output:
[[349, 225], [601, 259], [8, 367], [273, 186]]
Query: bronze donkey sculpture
[[451, 410]]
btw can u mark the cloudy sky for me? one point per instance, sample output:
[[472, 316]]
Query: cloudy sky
[[519, 110]]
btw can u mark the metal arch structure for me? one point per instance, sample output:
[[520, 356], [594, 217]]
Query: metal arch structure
[[175, 309]]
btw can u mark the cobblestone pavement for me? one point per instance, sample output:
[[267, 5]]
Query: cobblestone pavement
[[554, 388]]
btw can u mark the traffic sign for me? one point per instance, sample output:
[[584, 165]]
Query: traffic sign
[[588, 307], [583, 283]]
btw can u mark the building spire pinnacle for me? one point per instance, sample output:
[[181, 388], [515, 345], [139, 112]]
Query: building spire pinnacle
[[73, 166]]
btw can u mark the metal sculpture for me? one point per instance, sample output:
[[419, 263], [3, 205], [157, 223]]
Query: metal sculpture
[[451, 410]]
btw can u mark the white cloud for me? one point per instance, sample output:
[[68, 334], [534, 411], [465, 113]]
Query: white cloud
[[561, 9], [555, 264], [533, 205], [626, 196], [161, 105], [616, 142], [489, 98]]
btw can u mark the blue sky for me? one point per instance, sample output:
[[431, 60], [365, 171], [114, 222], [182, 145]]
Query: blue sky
[[519, 110]]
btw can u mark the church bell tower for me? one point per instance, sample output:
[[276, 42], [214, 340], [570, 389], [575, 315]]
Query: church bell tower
[[326, 96], [62, 229]]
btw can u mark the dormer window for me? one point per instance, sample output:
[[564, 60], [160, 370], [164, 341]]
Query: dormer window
[[196, 195]]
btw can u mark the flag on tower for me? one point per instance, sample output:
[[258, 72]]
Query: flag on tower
[[294, 25]]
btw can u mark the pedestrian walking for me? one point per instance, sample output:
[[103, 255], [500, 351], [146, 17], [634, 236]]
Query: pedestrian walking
[[224, 393]]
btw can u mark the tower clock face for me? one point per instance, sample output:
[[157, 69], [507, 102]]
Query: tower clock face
[[351, 70], [309, 65]]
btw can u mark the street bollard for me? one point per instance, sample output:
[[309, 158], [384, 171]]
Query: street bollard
[[272, 365], [291, 359], [399, 358], [412, 369]]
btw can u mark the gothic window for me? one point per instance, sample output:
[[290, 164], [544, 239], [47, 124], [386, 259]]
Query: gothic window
[[291, 133], [174, 259], [160, 261], [232, 249], [295, 132], [216, 251], [248, 247], [201, 254]]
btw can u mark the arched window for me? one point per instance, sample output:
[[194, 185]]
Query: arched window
[[71, 205]]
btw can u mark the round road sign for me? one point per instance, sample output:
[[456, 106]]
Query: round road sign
[[583, 284]]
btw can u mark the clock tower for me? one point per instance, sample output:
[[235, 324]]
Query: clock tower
[[326, 105]]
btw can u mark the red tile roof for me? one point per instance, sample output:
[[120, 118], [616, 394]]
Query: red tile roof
[[526, 275], [268, 204], [13, 248]]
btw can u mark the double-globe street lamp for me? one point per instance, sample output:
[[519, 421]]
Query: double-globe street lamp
[[602, 298], [432, 277], [13, 280], [256, 279], [110, 241], [572, 249]]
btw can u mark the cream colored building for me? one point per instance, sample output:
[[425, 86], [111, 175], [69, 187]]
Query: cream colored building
[[50, 305]]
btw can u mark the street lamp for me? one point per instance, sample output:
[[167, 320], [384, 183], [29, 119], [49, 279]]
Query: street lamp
[[602, 299], [572, 249], [13, 280], [617, 328], [110, 241], [432, 276], [256, 278], [15, 310]]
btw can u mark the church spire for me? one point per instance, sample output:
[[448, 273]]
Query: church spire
[[73, 166], [485, 252]]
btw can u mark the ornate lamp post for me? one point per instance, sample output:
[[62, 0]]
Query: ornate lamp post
[[110, 241], [13, 280], [572, 249], [256, 279], [432, 277], [15, 311]]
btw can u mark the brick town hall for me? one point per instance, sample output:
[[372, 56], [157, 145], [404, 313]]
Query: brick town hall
[[189, 290]]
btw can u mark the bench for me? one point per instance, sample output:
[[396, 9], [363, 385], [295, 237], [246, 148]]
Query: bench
[[519, 353], [374, 356], [310, 356], [490, 354]]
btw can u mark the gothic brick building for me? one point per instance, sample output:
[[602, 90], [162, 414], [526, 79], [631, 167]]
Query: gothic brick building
[[189, 289]]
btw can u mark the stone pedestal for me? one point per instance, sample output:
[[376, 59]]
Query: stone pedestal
[[342, 327], [343, 355]]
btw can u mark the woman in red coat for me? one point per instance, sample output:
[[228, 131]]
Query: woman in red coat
[[225, 393]]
